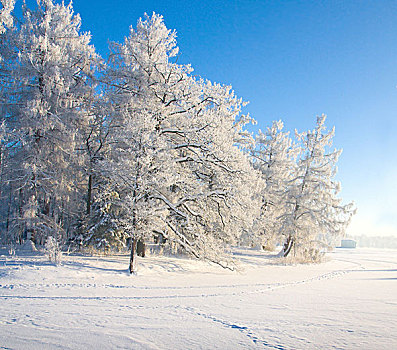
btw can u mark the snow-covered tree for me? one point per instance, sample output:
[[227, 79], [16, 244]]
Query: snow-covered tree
[[6, 19], [47, 107], [6, 25], [145, 148], [274, 156], [7, 144], [177, 154], [314, 209]]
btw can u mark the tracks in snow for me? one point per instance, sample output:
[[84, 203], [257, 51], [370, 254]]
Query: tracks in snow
[[144, 294], [243, 329], [178, 291]]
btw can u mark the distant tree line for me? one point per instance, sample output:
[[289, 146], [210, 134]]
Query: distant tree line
[[383, 242], [108, 153]]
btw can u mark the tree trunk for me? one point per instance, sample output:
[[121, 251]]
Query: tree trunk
[[1, 171], [141, 248], [20, 215], [288, 246], [133, 248], [46, 206], [9, 214], [89, 194]]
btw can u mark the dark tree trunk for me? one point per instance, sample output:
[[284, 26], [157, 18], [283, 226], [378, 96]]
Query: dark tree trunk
[[20, 213], [288, 246], [141, 248], [89, 194], [133, 248], [46, 206], [9, 214], [133, 235], [1, 171]]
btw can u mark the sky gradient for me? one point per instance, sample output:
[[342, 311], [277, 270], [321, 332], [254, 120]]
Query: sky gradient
[[293, 60]]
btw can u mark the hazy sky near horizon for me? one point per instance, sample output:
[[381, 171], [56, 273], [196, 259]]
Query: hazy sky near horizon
[[293, 60]]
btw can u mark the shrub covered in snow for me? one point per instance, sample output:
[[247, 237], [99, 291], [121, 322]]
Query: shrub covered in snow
[[53, 250]]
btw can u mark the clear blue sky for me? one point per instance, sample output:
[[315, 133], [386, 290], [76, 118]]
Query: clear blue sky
[[294, 60]]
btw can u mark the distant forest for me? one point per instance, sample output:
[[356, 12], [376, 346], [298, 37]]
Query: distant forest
[[384, 242]]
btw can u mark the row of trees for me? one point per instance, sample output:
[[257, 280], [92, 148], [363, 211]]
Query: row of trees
[[97, 153]]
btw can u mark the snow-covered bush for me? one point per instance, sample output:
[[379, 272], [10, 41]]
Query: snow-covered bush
[[307, 253], [53, 250]]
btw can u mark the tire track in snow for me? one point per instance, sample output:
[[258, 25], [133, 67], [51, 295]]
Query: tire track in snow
[[379, 261], [354, 263]]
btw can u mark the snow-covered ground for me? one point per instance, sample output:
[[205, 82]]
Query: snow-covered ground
[[349, 302]]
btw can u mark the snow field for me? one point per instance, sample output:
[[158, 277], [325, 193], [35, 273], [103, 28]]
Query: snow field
[[349, 302]]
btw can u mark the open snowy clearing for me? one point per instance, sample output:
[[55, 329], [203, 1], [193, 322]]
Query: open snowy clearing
[[349, 302]]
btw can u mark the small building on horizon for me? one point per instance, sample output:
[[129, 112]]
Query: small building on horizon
[[348, 243]]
